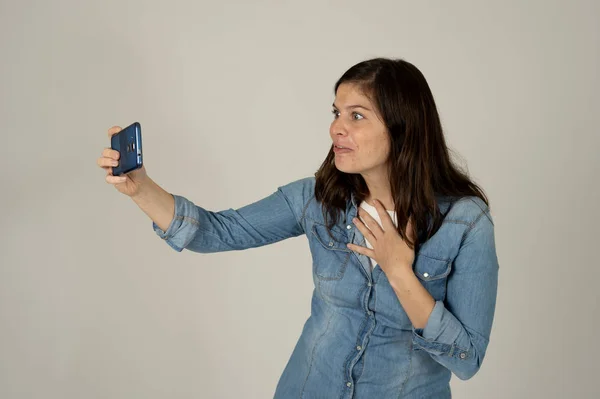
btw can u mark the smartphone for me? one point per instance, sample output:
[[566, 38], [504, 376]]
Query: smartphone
[[129, 144]]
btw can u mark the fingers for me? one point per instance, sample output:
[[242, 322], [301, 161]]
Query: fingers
[[110, 153], [114, 130], [361, 250], [110, 179], [365, 230], [109, 159], [386, 219], [105, 162], [370, 222]]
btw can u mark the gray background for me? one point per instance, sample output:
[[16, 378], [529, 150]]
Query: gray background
[[234, 99]]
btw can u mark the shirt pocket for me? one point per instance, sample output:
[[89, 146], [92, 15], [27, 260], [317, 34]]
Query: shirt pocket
[[433, 274], [330, 254]]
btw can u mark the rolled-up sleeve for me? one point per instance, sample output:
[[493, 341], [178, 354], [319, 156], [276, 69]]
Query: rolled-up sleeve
[[458, 329], [266, 221]]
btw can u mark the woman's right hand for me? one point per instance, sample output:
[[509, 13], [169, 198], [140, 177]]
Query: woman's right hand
[[128, 184]]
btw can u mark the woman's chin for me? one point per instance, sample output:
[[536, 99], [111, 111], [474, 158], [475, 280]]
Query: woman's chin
[[344, 169]]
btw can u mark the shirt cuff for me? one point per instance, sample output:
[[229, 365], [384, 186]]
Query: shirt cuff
[[440, 334], [182, 227]]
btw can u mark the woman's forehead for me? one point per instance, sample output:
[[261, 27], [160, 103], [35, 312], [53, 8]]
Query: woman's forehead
[[349, 92]]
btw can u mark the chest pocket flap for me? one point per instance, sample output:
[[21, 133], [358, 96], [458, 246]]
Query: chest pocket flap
[[337, 241], [433, 274]]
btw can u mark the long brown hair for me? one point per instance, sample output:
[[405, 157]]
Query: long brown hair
[[419, 166]]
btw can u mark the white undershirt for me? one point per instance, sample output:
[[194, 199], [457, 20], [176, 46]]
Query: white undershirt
[[373, 212]]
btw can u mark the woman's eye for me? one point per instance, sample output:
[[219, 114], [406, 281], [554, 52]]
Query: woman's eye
[[355, 115]]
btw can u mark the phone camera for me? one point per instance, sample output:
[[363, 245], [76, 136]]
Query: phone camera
[[130, 147]]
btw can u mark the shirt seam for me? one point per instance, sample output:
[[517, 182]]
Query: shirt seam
[[312, 355], [285, 198]]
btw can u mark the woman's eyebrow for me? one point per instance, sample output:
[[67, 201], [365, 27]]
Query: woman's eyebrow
[[352, 106]]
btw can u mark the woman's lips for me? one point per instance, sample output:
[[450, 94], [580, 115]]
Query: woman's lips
[[341, 150]]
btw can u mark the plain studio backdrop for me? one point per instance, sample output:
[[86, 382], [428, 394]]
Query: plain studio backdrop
[[234, 99]]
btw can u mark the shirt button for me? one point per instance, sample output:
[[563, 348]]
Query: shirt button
[[425, 274], [369, 284], [349, 227], [463, 355], [348, 384], [358, 347], [331, 243]]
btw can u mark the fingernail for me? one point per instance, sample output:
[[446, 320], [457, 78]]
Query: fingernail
[[114, 163]]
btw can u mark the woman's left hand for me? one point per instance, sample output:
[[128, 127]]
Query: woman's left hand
[[390, 251]]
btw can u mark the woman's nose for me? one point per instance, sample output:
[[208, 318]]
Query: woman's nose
[[337, 128]]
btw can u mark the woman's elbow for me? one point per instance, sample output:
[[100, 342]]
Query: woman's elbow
[[469, 369], [466, 374]]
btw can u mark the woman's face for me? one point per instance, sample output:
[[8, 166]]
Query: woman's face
[[357, 125]]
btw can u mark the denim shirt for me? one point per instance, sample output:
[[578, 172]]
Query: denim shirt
[[358, 341]]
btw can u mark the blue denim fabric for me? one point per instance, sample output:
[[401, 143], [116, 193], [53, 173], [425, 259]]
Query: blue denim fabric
[[358, 341]]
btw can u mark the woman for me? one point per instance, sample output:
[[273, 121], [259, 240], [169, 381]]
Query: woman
[[402, 244]]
